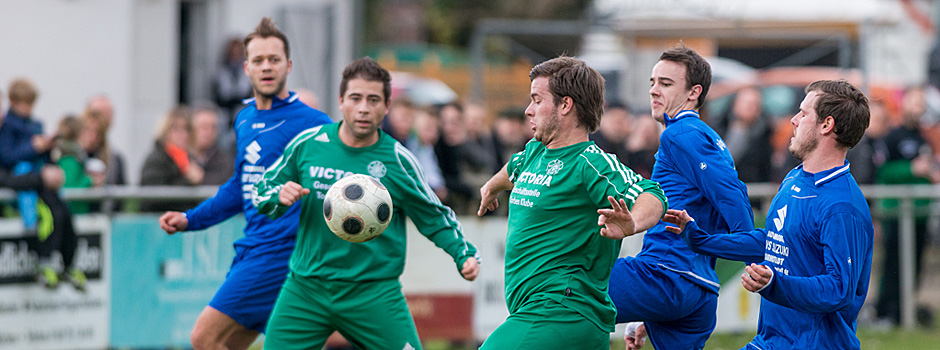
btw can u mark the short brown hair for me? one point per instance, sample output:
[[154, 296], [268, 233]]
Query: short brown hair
[[847, 105], [697, 69], [569, 76], [367, 69], [267, 29], [23, 90]]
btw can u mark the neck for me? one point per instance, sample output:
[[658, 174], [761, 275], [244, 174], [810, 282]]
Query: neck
[[352, 141], [576, 135], [688, 106], [822, 159], [264, 102]]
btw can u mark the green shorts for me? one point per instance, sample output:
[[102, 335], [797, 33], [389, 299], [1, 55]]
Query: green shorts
[[546, 325], [370, 315]]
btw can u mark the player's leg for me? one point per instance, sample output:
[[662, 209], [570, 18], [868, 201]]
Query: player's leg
[[374, 315], [547, 325], [690, 331], [240, 309], [216, 330], [642, 293], [301, 318]]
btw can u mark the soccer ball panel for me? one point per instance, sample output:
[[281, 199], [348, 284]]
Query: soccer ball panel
[[357, 208]]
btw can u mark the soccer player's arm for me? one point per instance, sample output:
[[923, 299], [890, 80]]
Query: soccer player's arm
[[605, 176], [265, 195], [847, 248], [503, 180], [701, 161], [226, 202], [433, 219]]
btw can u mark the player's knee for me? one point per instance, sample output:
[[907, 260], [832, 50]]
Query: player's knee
[[203, 339]]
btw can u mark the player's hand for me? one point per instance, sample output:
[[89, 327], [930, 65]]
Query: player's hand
[[488, 199], [617, 221], [756, 277], [471, 267], [173, 222], [677, 217], [637, 339], [291, 193]]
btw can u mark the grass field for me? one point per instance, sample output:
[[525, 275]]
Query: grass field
[[871, 340]]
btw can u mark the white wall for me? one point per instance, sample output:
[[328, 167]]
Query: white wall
[[127, 49]]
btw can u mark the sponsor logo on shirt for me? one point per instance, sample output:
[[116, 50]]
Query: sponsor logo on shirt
[[257, 126], [377, 169], [721, 144], [781, 216], [554, 167], [253, 152]]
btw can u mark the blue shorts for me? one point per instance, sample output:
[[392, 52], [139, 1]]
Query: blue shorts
[[253, 283], [678, 314]]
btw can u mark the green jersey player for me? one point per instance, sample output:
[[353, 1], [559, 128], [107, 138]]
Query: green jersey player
[[563, 187], [335, 284]]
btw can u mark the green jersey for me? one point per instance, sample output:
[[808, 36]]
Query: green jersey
[[315, 159], [554, 249]]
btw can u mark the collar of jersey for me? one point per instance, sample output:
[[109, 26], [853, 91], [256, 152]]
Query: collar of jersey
[[276, 102], [334, 133], [825, 176], [688, 113]]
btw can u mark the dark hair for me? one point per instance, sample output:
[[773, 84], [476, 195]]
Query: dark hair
[[697, 69], [367, 69], [568, 76], [847, 105], [267, 29]]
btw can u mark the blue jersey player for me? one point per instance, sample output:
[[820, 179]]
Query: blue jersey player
[[240, 309], [816, 250], [667, 286]]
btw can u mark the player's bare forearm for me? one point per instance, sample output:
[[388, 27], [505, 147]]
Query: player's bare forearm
[[491, 189], [647, 210]]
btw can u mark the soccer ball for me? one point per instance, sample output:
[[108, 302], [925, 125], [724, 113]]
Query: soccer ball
[[357, 208]]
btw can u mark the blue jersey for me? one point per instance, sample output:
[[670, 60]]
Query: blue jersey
[[818, 241], [261, 136], [697, 173]]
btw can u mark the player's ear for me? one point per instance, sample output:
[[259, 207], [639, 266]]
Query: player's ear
[[828, 125], [695, 92], [290, 65], [566, 105]]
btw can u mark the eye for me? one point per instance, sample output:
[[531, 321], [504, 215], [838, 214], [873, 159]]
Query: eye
[[374, 99]]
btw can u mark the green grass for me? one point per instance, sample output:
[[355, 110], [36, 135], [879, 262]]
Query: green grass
[[871, 340]]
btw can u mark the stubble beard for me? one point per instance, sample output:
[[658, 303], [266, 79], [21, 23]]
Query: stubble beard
[[549, 128], [800, 152]]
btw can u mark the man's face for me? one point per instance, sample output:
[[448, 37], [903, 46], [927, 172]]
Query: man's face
[[805, 129], [542, 112], [267, 66], [668, 92], [363, 107]]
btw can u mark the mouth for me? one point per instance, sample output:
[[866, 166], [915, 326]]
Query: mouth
[[267, 80]]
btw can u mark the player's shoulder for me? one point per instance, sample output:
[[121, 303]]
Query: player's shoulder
[[599, 160], [316, 134]]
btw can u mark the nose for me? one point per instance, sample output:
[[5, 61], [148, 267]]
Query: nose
[[529, 110], [653, 90], [795, 119]]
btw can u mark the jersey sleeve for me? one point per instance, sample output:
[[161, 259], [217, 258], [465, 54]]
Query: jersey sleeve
[[226, 202], [605, 175], [846, 249], [514, 165], [747, 246], [703, 164], [265, 194], [433, 219]]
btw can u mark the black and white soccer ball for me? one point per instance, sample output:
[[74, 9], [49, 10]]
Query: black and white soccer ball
[[357, 208]]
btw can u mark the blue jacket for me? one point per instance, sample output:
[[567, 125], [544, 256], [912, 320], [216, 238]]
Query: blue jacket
[[697, 173], [818, 242], [260, 138], [16, 140]]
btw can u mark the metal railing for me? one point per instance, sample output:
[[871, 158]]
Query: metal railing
[[906, 194]]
